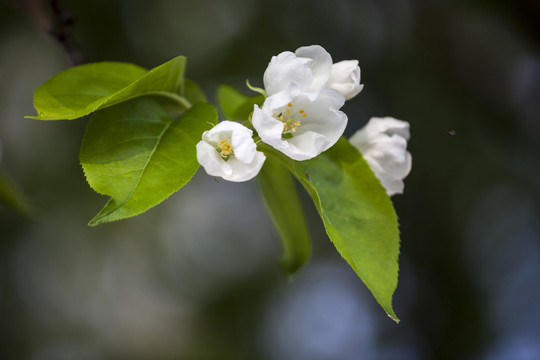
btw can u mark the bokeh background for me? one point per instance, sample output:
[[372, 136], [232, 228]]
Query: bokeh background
[[197, 277]]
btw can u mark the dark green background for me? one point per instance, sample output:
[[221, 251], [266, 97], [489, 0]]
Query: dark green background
[[197, 277]]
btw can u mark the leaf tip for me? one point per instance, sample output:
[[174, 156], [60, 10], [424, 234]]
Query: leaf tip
[[94, 222], [394, 317], [101, 217]]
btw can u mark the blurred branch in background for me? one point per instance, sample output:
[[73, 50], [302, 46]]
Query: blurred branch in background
[[51, 18]]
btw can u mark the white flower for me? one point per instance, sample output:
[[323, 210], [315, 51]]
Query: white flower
[[345, 78], [228, 151], [383, 143], [301, 124], [310, 68]]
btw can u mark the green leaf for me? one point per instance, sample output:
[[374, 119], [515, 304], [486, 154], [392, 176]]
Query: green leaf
[[139, 155], [283, 204], [235, 105], [81, 90], [357, 213], [192, 92]]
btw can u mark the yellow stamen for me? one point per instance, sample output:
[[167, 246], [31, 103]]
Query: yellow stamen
[[226, 148], [289, 119]]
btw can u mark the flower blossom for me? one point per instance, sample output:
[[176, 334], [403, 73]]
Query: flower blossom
[[311, 69], [301, 124], [383, 143], [228, 151]]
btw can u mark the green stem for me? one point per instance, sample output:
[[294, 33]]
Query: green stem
[[182, 101]]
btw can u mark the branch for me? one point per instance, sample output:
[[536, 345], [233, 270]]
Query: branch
[[51, 18]]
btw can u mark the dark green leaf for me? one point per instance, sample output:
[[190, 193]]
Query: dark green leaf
[[81, 90], [357, 213], [192, 92], [138, 155], [235, 105], [283, 204]]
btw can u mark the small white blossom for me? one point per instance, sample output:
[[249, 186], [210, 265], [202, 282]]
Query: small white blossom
[[310, 68], [301, 124], [228, 151], [383, 143], [345, 78]]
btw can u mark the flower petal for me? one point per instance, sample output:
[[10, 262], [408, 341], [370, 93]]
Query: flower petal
[[243, 144], [345, 78], [212, 162], [286, 69], [245, 171], [320, 64], [383, 143]]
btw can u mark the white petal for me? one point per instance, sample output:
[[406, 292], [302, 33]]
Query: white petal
[[284, 70], [243, 145], [387, 125], [268, 128], [391, 184], [320, 64], [212, 161], [306, 146], [383, 143], [345, 78], [245, 171]]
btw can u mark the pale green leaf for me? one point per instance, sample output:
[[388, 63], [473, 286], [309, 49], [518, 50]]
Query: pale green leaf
[[81, 90], [357, 213], [283, 204], [138, 155]]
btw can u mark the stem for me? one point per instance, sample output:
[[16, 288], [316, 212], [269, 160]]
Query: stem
[[182, 101]]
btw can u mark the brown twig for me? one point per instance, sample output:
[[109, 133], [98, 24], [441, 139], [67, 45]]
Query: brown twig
[[51, 18]]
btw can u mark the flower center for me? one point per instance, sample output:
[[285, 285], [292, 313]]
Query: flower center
[[225, 148], [290, 119]]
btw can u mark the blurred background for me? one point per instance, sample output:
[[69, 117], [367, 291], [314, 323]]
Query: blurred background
[[197, 276]]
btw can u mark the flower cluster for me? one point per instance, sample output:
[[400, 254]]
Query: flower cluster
[[301, 118]]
